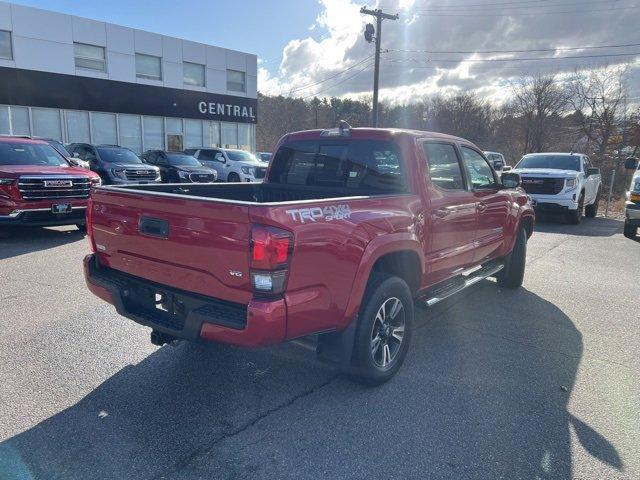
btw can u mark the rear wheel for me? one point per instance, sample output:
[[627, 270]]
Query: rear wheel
[[574, 216], [82, 227], [384, 329], [630, 230], [512, 275], [591, 211], [233, 177]]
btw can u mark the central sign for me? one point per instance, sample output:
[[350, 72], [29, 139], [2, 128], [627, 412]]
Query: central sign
[[241, 112]]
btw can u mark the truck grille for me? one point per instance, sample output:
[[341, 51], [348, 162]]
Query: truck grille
[[140, 175], [53, 187], [542, 185], [261, 172], [202, 177]]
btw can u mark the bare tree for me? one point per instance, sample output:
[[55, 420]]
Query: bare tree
[[540, 101], [600, 100]]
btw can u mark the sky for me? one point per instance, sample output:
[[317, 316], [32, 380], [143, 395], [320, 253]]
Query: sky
[[316, 47]]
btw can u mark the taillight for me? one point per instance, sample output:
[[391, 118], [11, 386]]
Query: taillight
[[89, 225], [271, 250]]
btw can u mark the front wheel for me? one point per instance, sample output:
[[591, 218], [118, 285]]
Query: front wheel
[[629, 230], [591, 211], [233, 178], [574, 216], [385, 323], [512, 275]]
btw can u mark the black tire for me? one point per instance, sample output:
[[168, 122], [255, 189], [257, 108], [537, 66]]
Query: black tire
[[82, 227], [629, 230], [591, 211], [369, 365], [574, 216], [233, 177], [512, 275]]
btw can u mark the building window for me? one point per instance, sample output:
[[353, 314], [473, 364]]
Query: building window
[[103, 128], [46, 123], [5, 125], [5, 45], [77, 127], [20, 121], [192, 133], [236, 81], [148, 66], [211, 134], [193, 74], [130, 132], [153, 133], [244, 136], [230, 135], [89, 57]]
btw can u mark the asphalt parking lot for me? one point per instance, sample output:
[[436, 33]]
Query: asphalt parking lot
[[543, 382]]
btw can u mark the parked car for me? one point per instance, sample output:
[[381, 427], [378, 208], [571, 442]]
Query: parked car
[[349, 229], [632, 205], [232, 165], [38, 186], [497, 161], [178, 167], [564, 183], [263, 156], [116, 165]]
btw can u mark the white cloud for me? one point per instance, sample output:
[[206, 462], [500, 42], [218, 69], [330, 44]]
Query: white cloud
[[308, 62]]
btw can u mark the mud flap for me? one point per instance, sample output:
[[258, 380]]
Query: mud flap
[[336, 348]]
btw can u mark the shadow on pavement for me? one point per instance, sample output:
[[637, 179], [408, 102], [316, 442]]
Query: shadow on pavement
[[483, 394], [16, 241], [589, 227]]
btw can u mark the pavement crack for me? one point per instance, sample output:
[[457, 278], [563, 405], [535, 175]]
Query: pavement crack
[[184, 462]]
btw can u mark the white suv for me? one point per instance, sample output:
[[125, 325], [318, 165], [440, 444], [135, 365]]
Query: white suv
[[564, 183], [232, 165], [632, 205]]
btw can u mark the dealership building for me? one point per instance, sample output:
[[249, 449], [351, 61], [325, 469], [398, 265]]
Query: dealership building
[[80, 80]]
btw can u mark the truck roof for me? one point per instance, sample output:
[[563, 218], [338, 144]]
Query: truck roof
[[379, 133], [555, 154], [18, 139]]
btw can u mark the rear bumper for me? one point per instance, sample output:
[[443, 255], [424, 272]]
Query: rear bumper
[[43, 217], [186, 315]]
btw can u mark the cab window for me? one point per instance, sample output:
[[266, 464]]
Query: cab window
[[444, 166], [479, 171]]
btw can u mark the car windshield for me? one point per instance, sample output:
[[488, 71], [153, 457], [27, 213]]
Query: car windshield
[[118, 155], [181, 160], [240, 156], [60, 148], [559, 162], [19, 153]]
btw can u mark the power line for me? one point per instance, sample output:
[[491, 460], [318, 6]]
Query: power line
[[519, 14], [303, 87], [366, 67], [453, 60], [516, 51], [433, 8]]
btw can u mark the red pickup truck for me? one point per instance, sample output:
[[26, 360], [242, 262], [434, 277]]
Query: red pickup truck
[[348, 230], [39, 187]]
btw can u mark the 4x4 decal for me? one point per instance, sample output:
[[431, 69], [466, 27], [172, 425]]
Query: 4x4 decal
[[313, 214]]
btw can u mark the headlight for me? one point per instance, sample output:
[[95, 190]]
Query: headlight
[[118, 172], [636, 186], [570, 183], [249, 171], [6, 181], [182, 174]]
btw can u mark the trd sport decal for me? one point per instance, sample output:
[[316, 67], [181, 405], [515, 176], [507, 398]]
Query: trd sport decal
[[313, 214]]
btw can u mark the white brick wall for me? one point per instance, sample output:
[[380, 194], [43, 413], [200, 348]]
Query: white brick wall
[[43, 40]]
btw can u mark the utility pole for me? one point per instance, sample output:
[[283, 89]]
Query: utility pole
[[368, 35]]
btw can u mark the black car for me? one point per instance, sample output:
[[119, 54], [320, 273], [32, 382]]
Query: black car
[[179, 167], [116, 165]]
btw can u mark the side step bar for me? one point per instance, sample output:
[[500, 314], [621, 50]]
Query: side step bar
[[457, 284]]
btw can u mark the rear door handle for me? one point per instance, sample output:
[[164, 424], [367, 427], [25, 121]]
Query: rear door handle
[[482, 207]]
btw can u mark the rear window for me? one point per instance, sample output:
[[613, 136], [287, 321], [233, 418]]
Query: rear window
[[367, 166]]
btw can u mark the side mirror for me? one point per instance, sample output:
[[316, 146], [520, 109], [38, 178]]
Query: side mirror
[[593, 171], [631, 163], [506, 168], [497, 164], [511, 180]]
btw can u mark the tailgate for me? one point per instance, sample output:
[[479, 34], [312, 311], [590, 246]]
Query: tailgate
[[195, 245]]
